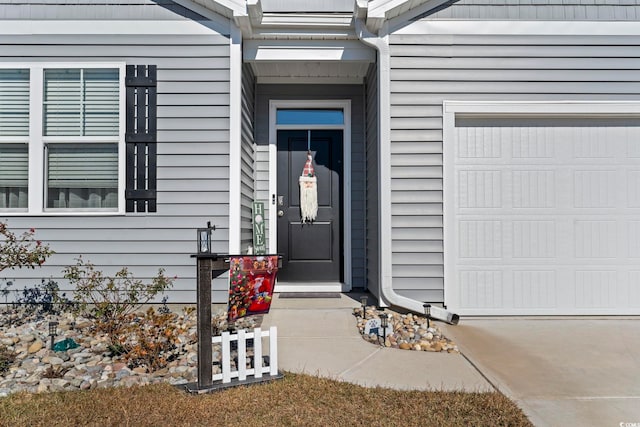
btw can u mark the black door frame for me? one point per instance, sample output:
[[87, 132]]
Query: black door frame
[[345, 105]]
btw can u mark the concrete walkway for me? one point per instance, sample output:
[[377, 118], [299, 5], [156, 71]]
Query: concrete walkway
[[561, 372], [320, 337]]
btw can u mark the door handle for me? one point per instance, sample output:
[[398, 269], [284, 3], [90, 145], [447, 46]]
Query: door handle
[[280, 213]]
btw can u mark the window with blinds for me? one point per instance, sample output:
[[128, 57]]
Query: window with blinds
[[82, 176], [14, 133], [81, 173], [81, 102]]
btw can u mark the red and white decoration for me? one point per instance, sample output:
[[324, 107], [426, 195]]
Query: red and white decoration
[[308, 191]]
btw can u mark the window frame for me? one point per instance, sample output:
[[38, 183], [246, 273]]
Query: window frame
[[37, 141]]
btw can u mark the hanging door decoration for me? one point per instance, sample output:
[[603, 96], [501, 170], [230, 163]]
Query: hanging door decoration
[[308, 188]]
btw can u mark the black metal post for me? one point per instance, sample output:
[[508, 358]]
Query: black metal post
[[205, 349]]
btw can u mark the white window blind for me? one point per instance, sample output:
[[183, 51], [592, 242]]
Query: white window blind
[[14, 102], [82, 176], [81, 102], [14, 127], [14, 178]]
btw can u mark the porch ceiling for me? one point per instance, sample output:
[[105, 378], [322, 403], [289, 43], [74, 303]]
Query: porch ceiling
[[308, 61]]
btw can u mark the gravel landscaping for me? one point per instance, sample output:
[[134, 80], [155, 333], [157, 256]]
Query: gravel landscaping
[[405, 331], [92, 364]]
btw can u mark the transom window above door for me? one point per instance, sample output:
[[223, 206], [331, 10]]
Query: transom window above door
[[311, 116]]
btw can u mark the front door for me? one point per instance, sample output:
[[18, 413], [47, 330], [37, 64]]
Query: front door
[[311, 252]]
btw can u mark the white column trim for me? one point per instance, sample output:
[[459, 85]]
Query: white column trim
[[235, 139], [36, 145]]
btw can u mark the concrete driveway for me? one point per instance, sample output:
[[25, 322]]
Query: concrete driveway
[[562, 372]]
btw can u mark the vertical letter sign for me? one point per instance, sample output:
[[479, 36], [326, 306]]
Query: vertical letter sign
[[259, 240]]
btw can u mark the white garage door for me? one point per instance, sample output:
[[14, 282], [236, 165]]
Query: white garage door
[[543, 216]]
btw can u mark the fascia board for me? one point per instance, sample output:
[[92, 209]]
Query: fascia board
[[227, 8], [380, 8]]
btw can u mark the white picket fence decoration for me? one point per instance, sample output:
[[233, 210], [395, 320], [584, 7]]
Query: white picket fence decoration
[[242, 371]]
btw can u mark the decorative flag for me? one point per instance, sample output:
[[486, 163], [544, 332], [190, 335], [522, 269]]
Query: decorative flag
[[308, 191], [252, 279]]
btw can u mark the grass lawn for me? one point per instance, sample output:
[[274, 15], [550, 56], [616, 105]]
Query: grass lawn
[[297, 400]]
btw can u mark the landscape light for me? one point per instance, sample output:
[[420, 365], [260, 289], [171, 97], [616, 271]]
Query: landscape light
[[427, 312]]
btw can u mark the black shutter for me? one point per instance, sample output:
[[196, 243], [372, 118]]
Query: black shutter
[[141, 138]]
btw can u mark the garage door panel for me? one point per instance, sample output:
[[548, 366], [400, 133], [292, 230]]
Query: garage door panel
[[633, 188], [545, 218], [533, 188], [633, 291], [535, 289]]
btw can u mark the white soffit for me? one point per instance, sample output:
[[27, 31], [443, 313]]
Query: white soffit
[[307, 50], [307, 6]]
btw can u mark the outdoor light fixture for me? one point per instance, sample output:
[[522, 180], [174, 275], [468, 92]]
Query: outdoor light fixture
[[204, 239], [53, 331], [427, 312], [384, 322], [363, 302]]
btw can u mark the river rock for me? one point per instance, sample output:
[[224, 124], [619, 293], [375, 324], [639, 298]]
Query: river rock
[[35, 347]]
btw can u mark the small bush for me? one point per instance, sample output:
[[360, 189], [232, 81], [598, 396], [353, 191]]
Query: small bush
[[55, 372], [44, 299], [7, 357], [110, 300], [113, 302], [148, 341], [18, 251]]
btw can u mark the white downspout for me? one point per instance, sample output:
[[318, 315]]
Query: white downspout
[[387, 294]]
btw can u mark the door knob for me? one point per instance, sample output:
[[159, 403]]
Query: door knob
[[280, 213]]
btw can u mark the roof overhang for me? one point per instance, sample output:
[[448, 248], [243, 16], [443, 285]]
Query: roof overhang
[[252, 19], [308, 45]]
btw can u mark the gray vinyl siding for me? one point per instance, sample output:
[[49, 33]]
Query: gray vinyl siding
[[193, 155], [523, 68], [247, 157], [160, 10], [564, 10], [266, 92], [372, 182]]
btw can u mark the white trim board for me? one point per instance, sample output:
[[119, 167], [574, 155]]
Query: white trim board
[[309, 287], [88, 27], [512, 28], [235, 140], [345, 105]]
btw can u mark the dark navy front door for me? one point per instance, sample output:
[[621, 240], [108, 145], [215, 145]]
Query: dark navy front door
[[311, 252]]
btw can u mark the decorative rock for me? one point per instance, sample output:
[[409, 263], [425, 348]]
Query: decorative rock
[[54, 361], [409, 332], [35, 347], [27, 338]]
